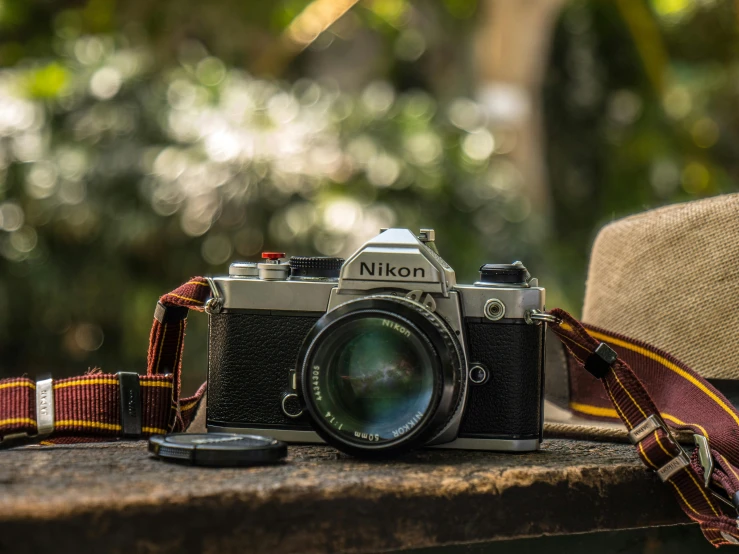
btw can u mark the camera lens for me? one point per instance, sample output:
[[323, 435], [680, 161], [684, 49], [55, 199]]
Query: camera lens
[[381, 375]]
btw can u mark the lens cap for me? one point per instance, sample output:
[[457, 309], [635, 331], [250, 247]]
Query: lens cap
[[217, 449]]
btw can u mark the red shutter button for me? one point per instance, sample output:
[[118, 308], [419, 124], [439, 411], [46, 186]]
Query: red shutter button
[[273, 256]]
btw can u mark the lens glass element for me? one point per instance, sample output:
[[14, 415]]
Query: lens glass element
[[373, 379]]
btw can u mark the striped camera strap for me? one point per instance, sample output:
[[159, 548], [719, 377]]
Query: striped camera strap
[[98, 406], [653, 394]]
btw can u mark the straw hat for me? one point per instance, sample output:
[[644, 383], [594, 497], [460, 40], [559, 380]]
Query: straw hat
[[668, 277]]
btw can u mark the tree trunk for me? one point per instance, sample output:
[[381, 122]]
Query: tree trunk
[[511, 54]]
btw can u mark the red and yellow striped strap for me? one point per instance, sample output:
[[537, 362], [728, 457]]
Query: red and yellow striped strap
[[645, 381], [88, 407], [84, 405]]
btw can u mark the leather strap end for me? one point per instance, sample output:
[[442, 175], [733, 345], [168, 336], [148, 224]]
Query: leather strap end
[[168, 314], [600, 361], [131, 407]]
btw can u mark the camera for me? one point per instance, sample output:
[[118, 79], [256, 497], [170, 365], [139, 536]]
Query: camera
[[378, 353]]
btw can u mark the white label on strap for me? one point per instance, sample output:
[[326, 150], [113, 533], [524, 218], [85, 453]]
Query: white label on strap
[[45, 406]]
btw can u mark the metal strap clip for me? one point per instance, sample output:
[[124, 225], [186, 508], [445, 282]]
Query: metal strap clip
[[644, 429], [706, 460], [536, 317], [647, 427], [214, 305], [673, 466], [682, 460], [705, 457]]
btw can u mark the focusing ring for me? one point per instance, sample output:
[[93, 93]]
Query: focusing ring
[[451, 382]]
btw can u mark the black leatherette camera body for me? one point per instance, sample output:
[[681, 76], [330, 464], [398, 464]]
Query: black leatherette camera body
[[249, 358], [251, 353]]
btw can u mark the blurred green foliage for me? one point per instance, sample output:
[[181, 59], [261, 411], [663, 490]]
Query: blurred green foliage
[[142, 143], [641, 102]]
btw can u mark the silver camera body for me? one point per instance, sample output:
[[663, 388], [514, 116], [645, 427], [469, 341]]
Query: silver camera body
[[496, 403]]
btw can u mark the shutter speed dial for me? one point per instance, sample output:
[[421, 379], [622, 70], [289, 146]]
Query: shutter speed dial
[[315, 267]]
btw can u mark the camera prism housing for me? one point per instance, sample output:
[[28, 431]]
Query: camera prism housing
[[379, 353]]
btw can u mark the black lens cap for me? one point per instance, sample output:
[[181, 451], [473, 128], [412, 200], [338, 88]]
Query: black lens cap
[[217, 449]]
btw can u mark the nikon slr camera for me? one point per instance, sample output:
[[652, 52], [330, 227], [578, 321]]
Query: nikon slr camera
[[379, 353]]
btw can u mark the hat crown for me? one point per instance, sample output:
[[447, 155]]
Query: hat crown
[[670, 277]]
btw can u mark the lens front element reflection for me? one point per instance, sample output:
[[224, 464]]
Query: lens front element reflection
[[376, 378]]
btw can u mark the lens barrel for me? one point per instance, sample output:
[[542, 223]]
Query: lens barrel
[[381, 375]]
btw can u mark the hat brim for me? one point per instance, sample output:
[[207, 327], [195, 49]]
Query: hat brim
[[563, 424]]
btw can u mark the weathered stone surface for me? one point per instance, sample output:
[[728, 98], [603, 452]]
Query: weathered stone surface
[[114, 498]]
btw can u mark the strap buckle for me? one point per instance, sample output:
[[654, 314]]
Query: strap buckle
[[682, 460], [646, 428], [599, 363], [706, 460]]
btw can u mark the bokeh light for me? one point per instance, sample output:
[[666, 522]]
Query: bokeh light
[[135, 154]]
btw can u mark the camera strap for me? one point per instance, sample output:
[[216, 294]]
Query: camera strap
[[649, 390], [653, 393], [99, 406]]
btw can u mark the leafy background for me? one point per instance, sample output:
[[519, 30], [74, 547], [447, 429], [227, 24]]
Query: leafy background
[[142, 143]]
